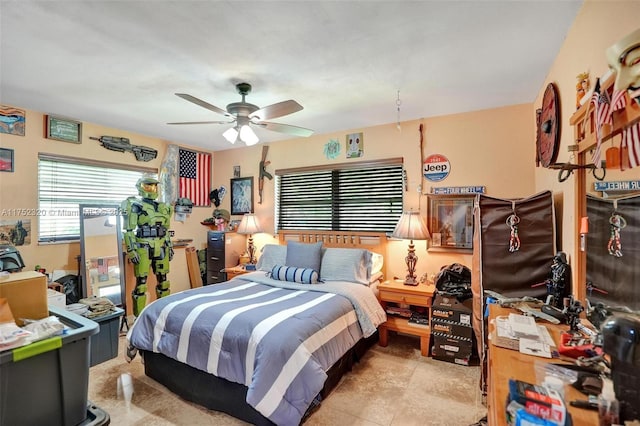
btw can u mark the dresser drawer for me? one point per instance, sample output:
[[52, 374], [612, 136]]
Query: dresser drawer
[[409, 299]]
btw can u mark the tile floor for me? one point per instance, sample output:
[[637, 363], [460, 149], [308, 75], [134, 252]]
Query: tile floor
[[392, 386]]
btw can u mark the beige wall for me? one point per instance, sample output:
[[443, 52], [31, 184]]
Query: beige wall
[[599, 24], [493, 148], [19, 190]]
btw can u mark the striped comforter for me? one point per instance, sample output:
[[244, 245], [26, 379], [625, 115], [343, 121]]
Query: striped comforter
[[277, 338]]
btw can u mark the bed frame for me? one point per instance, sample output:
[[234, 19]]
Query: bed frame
[[222, 395]]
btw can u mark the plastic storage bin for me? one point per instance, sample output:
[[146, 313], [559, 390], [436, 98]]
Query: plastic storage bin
[[104, 345], [46, 383]]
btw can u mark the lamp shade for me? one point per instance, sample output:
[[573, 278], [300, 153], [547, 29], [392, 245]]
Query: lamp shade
[[231, 135], [411, 226], [249, 224]]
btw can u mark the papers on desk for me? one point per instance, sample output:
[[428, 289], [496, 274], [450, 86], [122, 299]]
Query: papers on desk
[[518, 334]]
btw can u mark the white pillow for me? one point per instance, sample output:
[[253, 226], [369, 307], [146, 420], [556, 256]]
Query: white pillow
[[346, 264], [272, 255], [377, 261]]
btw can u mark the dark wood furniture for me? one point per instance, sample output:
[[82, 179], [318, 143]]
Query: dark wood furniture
[[223, 251]]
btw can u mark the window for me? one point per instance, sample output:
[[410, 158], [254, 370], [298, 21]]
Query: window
[[363, 196], [64, 183]]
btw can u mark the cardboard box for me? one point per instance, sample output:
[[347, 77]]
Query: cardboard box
[[450, 346], [26, 293], [450, 309], [55, 298], [451, 328]]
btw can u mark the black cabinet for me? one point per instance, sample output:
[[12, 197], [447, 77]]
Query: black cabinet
[[223, 251]]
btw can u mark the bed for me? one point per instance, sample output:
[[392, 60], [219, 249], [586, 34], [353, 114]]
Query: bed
[[269, 345]]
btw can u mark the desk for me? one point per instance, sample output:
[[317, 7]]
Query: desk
[[504, 364]]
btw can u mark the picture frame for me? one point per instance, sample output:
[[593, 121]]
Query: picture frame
[[236, 171], [63, 129], [6, 160], [450, 221], [13, 120], [242, 195]]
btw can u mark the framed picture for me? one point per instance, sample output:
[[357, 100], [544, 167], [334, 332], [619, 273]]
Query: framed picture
[[242, 195], [236, 171], [450, 221], [6, 160], [62, 129], [12, 120], [354, 145]]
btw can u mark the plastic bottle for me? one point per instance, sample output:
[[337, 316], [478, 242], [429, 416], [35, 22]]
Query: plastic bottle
[[608, 405]]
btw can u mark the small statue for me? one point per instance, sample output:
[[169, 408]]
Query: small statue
[[582, 87], [147, 240], [559, 283]]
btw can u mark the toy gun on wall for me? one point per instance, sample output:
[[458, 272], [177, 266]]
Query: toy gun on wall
[[115, 143]]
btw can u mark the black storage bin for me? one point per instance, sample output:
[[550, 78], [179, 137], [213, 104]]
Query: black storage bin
[[46, 383], [104, 345]]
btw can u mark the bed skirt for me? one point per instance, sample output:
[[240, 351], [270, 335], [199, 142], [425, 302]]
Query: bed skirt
[[222, 395]]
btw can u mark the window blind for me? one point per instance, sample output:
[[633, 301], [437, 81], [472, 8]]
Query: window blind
[[367, 198], [65, 183]]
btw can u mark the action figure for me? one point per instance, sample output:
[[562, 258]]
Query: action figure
[[147, 240], [559, 285]]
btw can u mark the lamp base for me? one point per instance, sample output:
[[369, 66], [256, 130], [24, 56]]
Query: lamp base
[[410, 281]]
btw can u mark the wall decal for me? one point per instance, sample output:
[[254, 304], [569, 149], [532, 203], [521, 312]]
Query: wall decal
[[332, 149]]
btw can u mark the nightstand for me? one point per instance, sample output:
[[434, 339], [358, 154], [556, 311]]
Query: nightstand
[[234, 271], [397, 292]]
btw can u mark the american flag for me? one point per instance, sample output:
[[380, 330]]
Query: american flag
[[195, 176], [630, 146]]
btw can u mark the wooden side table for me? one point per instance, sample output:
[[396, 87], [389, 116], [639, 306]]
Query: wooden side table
[[397, 292], [234, 271]]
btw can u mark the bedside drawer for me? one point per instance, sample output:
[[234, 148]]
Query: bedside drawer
[[409, 299]]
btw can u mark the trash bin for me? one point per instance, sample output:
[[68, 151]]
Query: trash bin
[[47, 382]]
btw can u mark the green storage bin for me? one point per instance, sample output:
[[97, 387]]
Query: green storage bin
[[46, 383]]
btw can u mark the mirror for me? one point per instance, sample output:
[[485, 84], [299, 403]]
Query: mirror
[[102, 266]]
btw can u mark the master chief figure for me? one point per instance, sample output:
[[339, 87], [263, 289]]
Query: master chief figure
[[147, 239]]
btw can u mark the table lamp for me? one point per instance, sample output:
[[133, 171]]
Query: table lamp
[[250, 225], [411, 227]]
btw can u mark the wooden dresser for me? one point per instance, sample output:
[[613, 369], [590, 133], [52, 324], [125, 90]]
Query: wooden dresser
[[504, 364]]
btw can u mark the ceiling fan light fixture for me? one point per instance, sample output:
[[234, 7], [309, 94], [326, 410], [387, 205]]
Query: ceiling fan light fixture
[[248, 136], [231, 135]]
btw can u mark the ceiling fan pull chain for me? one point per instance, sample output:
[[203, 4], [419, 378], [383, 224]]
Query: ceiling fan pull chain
[[398, 103]]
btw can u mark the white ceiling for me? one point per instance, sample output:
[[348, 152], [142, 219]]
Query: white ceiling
[[119, 63]]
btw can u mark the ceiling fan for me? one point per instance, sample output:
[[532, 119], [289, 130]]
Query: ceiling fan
[[243, 115]]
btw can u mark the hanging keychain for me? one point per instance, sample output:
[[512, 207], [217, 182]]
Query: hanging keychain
[[616, 223], [512, 222]]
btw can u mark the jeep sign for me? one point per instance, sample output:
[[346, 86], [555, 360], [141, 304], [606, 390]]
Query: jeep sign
[[436, 167]]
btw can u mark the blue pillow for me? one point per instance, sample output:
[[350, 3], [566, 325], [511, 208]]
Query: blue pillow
[[294, 275], [304, 255]]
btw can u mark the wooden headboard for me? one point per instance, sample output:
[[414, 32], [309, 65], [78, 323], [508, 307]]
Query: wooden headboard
[[372, 241]]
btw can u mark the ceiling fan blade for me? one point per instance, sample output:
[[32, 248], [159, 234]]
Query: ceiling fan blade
[[204, 122], [276, 110], [203, 104], [286, 128]]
